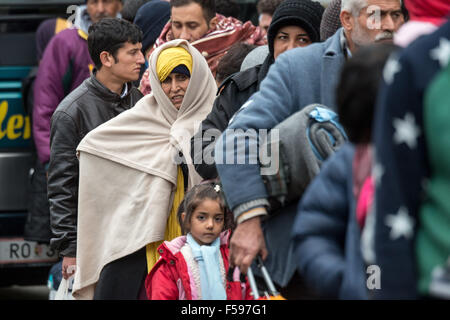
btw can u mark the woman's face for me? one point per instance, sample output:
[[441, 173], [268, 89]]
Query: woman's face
[[175, 86], [289, 37]]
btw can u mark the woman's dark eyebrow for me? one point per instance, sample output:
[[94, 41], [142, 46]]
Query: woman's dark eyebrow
[[300, 34]]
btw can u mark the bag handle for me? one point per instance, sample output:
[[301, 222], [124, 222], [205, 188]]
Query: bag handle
[[251, 279]]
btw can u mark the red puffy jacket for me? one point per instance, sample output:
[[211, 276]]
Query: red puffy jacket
[[172, 279]]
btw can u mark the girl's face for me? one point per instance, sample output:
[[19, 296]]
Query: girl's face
[[206, 222]]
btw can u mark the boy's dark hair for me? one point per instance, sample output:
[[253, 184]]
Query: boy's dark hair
[[208, 6], [192, 200], [357, 90], [267, 6], [111, 34], [228, 8], [231, 62]]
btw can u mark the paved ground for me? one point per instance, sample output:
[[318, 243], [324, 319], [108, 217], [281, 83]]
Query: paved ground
[[24, 293]]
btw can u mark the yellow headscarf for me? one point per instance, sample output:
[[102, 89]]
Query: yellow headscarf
[[170, 58]]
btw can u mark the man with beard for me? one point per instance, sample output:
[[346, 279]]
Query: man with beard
[[299, 77]]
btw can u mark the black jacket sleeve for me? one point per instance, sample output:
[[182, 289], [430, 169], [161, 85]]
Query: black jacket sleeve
[[203, 142], [63, 183], [236, 91]]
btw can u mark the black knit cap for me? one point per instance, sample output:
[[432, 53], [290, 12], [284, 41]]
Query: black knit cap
[[306, 14]]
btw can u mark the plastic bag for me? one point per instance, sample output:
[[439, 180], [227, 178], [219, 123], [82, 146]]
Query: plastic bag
[[65, 290]]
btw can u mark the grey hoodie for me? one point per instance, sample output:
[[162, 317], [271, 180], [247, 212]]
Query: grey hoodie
[[83, 20]]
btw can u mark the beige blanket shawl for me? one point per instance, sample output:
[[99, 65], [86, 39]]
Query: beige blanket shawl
[[128, 173]]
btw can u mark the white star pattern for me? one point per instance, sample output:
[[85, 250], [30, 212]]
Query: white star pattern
[[390, 69], [401, 224], [377, 173], [442, 53], [406, 131]]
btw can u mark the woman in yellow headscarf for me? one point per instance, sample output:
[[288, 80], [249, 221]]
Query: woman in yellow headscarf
[[173, 68], [134, 171]]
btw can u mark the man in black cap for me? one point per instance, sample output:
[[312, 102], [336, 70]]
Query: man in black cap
[[151, 18]]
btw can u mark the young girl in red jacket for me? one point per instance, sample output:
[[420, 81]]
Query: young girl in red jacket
[[194, 266]]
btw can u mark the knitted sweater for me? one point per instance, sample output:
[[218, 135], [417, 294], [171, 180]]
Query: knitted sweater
[[409, 203]]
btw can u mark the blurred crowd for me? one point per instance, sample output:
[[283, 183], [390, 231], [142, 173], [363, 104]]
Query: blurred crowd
[[177, 145]]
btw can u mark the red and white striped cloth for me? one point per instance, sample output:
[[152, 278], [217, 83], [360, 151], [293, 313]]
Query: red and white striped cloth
[[215, 43]]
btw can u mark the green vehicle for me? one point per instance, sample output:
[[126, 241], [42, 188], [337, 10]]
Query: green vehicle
[[21, 262]]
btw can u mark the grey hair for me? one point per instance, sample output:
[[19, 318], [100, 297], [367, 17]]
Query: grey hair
[[355, 6]]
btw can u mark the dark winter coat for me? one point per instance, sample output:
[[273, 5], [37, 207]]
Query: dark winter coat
[[37, 224], [407, 186], [233, 93], [326, 233]]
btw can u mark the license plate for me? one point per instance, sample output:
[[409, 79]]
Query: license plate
[[17, 250]]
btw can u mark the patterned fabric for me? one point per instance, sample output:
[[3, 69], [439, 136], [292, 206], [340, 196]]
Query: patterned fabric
[[402, 162], [214, 44]]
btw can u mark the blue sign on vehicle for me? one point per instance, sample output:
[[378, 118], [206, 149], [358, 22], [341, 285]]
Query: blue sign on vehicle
[[15, 125], [15, 129]]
